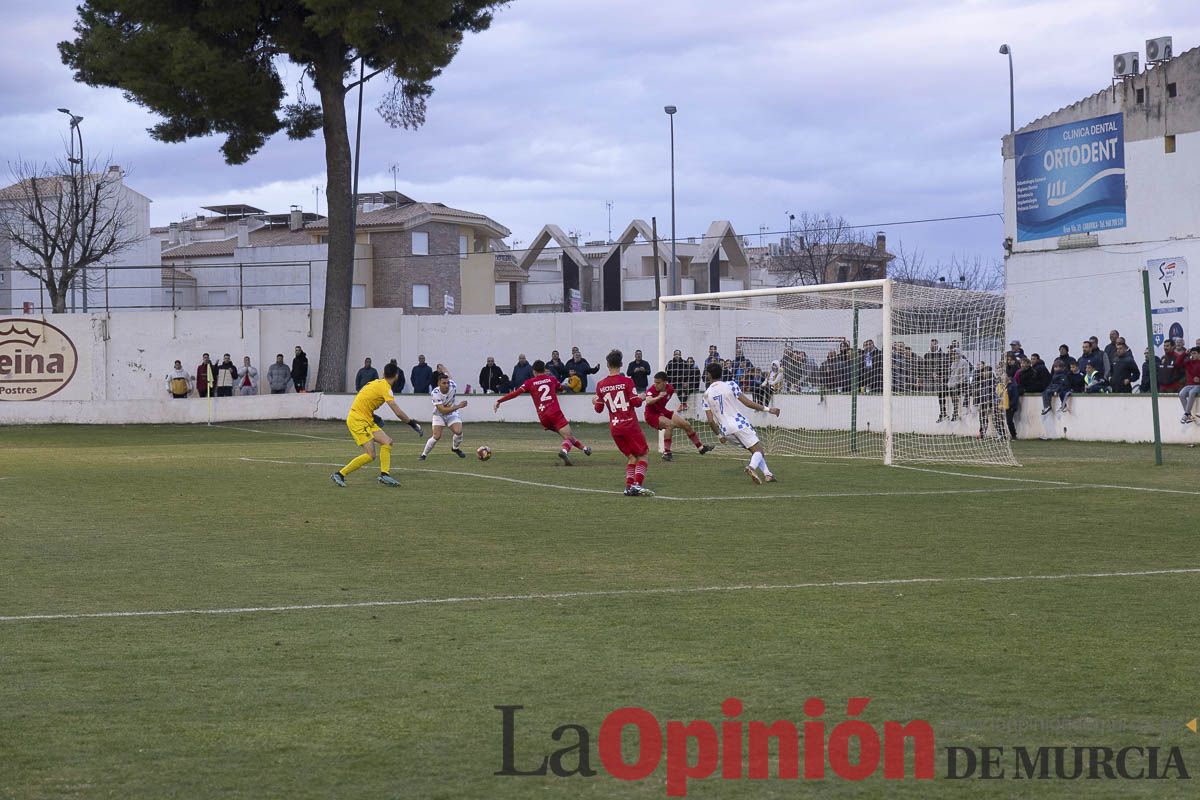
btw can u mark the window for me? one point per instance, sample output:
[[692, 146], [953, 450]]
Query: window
[[1171, 90], [1169, 143], [843, 273], [358, 295], [462, 247], [420, 295], [1141, 95], [420, 243]]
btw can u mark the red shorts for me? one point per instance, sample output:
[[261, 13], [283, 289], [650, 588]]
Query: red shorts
[[655, 420], [554, 423], [630, 441]]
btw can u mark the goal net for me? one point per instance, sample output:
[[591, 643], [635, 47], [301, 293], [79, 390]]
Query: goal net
[[875, 370]]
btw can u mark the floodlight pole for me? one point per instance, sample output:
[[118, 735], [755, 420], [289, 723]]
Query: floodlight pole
[[75, 188], [1005, 50]]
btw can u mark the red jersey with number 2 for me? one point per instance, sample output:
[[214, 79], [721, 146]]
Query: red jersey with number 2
[[543, 389]]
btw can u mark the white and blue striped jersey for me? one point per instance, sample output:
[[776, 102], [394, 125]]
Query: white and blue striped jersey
[[441, 398], [721, 398]]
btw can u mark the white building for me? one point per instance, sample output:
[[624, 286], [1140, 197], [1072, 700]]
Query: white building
[[129, 279], [1077, 242]]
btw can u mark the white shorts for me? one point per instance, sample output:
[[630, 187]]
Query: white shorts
[[746, 437], [446, 420]]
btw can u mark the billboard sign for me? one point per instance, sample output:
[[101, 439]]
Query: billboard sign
[[37, 360], [1168, 298], [1071, 179]]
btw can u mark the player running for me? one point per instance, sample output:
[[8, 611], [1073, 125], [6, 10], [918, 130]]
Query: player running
[[445, 415], [618, 394], [366, 432], [661, 418], [543, 389], [722, 403]]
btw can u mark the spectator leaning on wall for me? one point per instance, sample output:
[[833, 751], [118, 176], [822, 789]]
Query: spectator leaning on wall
[[248, 381], [365, 375], [205, 377], [179, 382], [1124, 370], [639, 371], [278, 375], [490, 375], [398, 386], [300, 370], [227, 375], [421, 376], [521, 371]]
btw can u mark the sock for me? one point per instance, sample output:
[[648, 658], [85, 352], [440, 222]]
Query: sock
[[429, 446], [566, 446], [358, 463], [629, 471], [639, 473], [759, 463], [577, 443], [385, 458], [695, 439], [456, 441], [666, 444]]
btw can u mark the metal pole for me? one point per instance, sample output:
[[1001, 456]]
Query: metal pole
[[1150, 366], [854, 378], [672, 273], [887, 371], [1005, 50], [662, 344], [674, 263], [82, 178]]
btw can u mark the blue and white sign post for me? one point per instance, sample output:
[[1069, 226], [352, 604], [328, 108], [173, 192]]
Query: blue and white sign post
[[1071, 179], [1168, 298]]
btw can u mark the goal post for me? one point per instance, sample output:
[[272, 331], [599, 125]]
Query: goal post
[[877, 370]]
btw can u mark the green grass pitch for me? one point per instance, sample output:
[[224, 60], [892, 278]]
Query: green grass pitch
[[396, 700]]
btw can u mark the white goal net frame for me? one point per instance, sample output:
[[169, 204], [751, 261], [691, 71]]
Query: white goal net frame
[[888, 416]]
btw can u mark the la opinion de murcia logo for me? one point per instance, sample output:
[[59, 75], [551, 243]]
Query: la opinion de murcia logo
[[36, 359]]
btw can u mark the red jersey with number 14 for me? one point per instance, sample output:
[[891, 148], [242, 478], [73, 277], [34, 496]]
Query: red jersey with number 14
[[619, 396]]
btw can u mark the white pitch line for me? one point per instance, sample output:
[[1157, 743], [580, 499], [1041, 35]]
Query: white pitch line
[[764, 496], [1054, 483], [281, 433], [579, 595]]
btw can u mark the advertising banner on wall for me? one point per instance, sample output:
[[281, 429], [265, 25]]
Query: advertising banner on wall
[[1168, 298], [1071, 179], [37, 359]]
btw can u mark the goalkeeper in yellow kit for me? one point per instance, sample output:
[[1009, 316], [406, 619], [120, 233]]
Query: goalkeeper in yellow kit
[[366, 432]]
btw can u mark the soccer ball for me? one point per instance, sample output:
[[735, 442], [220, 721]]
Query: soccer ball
[[484, 452]]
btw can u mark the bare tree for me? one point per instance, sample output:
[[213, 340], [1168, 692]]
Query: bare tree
[[63, 219], [972, 272], [817, 242]]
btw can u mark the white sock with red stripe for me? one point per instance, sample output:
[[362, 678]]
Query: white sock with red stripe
[[629, 475], [639, 473]]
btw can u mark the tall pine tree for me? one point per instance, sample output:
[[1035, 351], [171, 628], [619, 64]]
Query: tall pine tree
[[212, 67]]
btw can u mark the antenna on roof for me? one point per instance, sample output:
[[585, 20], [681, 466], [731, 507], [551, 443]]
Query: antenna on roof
[[610, 205]]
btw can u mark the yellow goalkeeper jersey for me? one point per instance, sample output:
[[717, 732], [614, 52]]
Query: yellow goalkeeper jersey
[[369, 398]]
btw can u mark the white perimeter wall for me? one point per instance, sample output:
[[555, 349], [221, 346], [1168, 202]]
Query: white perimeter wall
[[1112, 418]]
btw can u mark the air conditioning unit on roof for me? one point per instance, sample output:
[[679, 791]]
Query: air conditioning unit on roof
[[1158, 49], [1125, 65]]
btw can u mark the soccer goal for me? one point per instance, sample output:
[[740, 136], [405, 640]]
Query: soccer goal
[[874, 370]]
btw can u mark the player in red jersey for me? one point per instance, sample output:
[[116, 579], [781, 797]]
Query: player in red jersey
[[661, 418], [618, 394], [543, 391]]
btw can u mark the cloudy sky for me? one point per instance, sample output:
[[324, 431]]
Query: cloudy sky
[[878, 110]]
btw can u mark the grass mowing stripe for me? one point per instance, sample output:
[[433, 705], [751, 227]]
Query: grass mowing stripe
[[1055, 483], [508, 598], [813, 495]]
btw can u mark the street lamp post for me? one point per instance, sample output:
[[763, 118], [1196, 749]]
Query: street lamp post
[[673, 274], [75, 189], [1005, 50]]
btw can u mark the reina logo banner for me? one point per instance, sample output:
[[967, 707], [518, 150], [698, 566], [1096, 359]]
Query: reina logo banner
[[37, 360], [1071, 178], [633, 744]]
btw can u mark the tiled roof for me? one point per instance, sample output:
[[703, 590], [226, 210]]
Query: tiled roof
[[262, 237], [411, 214]]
